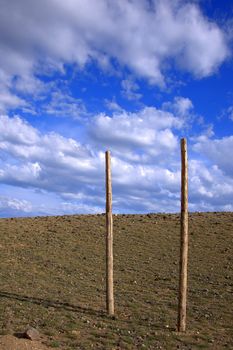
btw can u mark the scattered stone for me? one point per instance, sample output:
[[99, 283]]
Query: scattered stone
[[75, 332], [31, 333]]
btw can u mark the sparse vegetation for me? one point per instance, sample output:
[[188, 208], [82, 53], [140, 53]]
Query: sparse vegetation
[[52, 275]]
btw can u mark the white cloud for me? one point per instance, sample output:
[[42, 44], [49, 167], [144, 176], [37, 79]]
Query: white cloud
[[181, 106], [64, 105], [129, 89], [46, 161], [112, 105], [209, 187], [136, 179], [210, 42], [26, 175], [43, 36], [68, 207], [16, 131], [146, 38], [230, 112], [14, 205], [218, 151], [149, 131], [74, 173], [30, 85], [9, 100]]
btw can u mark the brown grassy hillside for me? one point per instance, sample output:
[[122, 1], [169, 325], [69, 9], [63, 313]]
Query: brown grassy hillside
[[52, 277]]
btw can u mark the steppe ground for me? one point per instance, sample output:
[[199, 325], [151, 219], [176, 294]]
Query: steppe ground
[[52, 277]]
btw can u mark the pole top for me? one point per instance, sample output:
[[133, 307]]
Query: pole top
[[183, 143]]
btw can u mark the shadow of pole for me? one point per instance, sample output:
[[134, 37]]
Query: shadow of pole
[[52, 303]]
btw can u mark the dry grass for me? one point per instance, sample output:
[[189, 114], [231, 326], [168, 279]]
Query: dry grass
[[52, 274]]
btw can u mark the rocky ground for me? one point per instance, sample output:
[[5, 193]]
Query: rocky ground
[[52, 277]]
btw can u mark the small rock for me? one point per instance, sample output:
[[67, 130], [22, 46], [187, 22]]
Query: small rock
[[75, 332], [31, 333]]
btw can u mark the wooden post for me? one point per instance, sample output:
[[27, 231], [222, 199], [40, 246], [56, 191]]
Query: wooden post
[[109, 238], [183, 239]]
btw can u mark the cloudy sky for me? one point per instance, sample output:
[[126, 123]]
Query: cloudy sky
[[132, 76]]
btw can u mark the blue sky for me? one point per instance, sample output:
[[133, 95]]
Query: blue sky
[[79, 77]]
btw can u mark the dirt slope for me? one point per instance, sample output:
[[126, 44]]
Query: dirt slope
[[52, 277], [10, 342]]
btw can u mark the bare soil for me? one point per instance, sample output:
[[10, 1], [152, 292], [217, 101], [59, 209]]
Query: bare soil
[[10, 342], [52, 277]]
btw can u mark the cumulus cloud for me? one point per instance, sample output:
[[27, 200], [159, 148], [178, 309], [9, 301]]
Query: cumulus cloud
[[40, 158], [145, 38], [210, 188], [51, 163], [129, 89], [230, 112], [150, 130], [43, 36], [218, 151], [14, 206], [64, 105], [16, 131], [181, 106], [9, 100], [112, 105], [68, 207], [74, 172]]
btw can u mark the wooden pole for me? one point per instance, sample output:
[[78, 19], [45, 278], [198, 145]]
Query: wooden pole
[[109, 238], [183, 239]]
